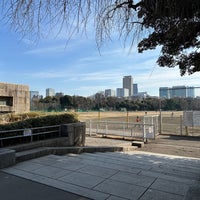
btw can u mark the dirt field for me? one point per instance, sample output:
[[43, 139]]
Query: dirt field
[[165, 144], [121, 115], [174, 145]]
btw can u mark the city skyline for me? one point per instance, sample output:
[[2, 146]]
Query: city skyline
[[78, 67], [164, 92]]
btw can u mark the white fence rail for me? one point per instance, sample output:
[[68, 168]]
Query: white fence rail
[[123, 129]]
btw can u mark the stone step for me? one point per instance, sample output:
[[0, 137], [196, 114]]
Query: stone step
[[42, 151], [30, 154]]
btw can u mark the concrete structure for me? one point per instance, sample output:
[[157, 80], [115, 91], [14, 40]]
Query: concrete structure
[[70, 136], [109, 93], [128, 84], [50, 92], [122, 92], [14, 98]]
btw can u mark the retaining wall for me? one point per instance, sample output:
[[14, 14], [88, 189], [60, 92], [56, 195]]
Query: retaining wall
[[70, 135]]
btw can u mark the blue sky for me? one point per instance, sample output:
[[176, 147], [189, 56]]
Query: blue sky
[[78, 68]]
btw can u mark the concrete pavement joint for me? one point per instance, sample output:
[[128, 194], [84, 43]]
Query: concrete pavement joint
[[147, 189]]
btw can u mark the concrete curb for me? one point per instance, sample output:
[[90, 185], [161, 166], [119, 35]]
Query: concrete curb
[[7, 158]]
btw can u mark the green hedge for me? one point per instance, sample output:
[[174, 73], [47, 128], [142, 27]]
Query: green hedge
[[41, 121]]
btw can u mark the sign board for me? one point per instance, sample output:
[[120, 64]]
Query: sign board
[[27, 132], [149, 133], [196, 118], [191, 118]]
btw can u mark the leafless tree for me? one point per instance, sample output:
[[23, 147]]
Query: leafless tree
[[35, 17], [171, 24]]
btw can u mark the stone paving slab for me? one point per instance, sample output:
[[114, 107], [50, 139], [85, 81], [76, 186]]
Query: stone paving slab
[[51, 172], [121, 189], [170, 186], [159, 195], [98, 171], [82, 179], [114, 176], [134, 179], [17, 188], [168, 177]]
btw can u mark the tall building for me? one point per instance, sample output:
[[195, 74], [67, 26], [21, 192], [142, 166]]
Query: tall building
[[59, 94], [50, 92], [109, 93], [142, 94], [34, 94], [128, 84], [177, 91], [122, 92], [135, 89], [164, 92], [190, 92]]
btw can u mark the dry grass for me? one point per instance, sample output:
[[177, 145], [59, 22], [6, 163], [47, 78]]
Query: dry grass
[[171, 121], [121, 116]]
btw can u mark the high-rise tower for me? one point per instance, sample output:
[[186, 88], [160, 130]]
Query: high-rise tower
[[50, 92], [128, 84]]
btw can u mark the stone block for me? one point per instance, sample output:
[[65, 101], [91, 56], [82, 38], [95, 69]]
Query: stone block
[[138, 144], [75, 132], [7, 158]]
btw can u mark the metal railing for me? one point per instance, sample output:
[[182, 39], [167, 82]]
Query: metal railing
[[122, 129], [30, 133]]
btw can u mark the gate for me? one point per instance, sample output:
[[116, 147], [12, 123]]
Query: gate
[[140, 130]]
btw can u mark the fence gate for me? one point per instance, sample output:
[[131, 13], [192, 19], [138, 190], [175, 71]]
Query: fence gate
[[151, 126], [142, 130]]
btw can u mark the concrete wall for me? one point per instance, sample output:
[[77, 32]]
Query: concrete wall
[[75, 132], [14, 98], [71, 135]]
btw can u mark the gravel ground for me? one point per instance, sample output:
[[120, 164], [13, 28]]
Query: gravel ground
[[99, 141], [172, 145]]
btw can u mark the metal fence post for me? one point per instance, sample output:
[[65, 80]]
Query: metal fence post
[[97, 130], [144, 131], [31, 135], [124, 124], [59, 131], [106, 128], [90, 127], [160, 122], [181, 124]]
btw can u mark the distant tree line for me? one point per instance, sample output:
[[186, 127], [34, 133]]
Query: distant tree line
[[99, 102]]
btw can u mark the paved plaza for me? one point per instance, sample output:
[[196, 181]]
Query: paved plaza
[[114, 175]]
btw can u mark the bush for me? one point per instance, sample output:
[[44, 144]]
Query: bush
[[41, 121], [48, 120]]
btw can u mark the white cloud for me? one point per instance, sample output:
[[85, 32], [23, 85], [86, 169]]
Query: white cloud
[[48, 50]]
